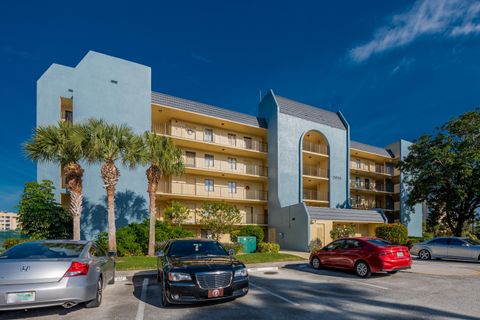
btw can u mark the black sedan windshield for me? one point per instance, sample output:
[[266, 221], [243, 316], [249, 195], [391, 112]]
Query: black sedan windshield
[[190, 248]]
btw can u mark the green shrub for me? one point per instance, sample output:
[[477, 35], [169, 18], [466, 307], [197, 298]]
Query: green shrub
[[315, 245], [268, 247], [10, 242], [132, 239], [249, 231], [234, 235], [237, 247], [342, 231], [395, 233]]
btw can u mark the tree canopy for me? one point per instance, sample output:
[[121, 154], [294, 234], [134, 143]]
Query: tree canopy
[[443, 170], [219, 217]]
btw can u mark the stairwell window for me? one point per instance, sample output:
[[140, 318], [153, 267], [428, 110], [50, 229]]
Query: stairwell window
[[209, 187], [232, 187], [208, 135], [209, 161]]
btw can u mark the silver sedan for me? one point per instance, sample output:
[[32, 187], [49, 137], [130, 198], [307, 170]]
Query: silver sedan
[[54, 272], [448, 248]]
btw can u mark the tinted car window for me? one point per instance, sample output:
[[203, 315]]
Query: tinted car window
[[189, 248], [43, 250], [456, 242], [352, 244], [336, 245], [379, 242], [472, 242], [439, 241], [96, 252]]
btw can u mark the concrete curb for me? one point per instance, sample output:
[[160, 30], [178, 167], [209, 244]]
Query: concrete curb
[[127, 275]]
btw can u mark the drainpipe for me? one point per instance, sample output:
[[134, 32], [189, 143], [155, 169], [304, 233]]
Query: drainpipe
[[347, 173]]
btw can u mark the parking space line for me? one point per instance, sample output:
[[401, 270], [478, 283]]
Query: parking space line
[[365, 284], [274, 294], [141, 304]]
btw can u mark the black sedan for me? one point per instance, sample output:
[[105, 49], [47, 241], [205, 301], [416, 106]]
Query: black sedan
[[199, 270]]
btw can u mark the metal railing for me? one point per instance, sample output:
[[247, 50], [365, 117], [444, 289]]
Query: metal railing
[[377, 169], [309, 194], [193, 134], [195, 218], [221, 192], [315, 147], [223, 166], [372, 186], [315, 171]]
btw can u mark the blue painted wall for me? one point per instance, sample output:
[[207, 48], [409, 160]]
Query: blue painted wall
[[96, 96]]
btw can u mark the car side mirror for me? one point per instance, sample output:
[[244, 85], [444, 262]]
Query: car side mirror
[[159, 254], [231, 252]]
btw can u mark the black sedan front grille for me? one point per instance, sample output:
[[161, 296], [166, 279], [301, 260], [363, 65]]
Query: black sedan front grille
[[214, 280]]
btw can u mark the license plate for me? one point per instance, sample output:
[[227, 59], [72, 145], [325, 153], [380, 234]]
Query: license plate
[[19, 297], [215, 293], [399, 254]]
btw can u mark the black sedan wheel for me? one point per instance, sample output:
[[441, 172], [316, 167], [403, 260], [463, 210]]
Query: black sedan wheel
[[424, 254], [98, 298], [165, 302]]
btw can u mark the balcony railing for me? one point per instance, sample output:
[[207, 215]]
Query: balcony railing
[[195, 218], [221, 192], [187, 133], [315, 171], [309, 194], [370, 186], [250, 169], [315, 147], [377, 169]]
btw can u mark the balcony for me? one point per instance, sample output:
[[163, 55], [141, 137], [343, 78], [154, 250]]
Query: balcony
[[315, 195], [315, 172], [195, 218], [215, 139], [315, 148], [225, 167], [375, 187], [377, 169], [189, 190]]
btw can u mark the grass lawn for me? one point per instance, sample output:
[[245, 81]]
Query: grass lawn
[[148, 263]]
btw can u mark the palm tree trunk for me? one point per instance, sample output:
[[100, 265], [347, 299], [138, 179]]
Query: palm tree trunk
[[110, 175], [153, 177], [153, 219], [74, 175]]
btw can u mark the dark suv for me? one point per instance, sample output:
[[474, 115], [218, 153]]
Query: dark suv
[[199, 270]]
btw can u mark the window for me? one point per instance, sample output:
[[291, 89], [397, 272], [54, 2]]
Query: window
[[95, 251], [439, 242], [358, 163], [357, 182], [209, 161], [339, 244], [232, 163], [379, 242], [352, 244], [248, 142], [367, 183], [232, 139], [43, 250], [194, 247], [358, 199], [68, 116], [209, 185], [190, 159], [456, 242], [208, 135], [232, 187]]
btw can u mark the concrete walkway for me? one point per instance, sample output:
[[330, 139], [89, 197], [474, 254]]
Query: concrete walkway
[[302, 254]]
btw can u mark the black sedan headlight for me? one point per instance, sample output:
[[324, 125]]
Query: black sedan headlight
[[241, 273], [179, 276]]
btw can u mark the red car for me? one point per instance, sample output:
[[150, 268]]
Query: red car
[[363, 255]]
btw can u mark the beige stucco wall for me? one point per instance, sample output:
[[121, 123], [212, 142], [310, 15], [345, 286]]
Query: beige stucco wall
[[321, 229]]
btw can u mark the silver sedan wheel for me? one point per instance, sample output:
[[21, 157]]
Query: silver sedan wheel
[[424, 255]]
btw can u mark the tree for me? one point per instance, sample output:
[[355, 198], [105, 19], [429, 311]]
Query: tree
[[163, 158], [443, 170], [108, 143], [40, 216], [62, 143], [176, 213], [342, 231], [219, 217]]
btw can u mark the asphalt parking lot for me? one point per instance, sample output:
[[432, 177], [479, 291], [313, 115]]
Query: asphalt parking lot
[[298, 292]]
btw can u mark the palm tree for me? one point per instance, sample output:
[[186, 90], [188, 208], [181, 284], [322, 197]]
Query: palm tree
[[163, 158], [107, 143], [62, 143]]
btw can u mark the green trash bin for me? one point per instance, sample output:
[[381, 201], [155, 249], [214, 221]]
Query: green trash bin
[[249, 243]]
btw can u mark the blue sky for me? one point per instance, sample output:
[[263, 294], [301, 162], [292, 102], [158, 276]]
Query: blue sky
[[396, 69]]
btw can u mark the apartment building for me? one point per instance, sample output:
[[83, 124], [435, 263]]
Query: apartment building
[[292, 169], [8, 221]]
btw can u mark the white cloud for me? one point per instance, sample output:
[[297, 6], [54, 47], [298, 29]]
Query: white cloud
[[451, 18]]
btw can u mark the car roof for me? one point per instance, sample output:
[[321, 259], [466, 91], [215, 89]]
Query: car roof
[[193, 239]]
